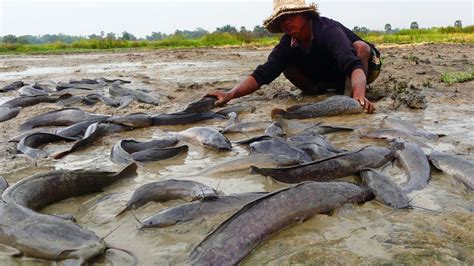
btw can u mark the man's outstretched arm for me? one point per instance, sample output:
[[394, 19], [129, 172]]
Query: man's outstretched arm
[[359, 82], [245, 87]]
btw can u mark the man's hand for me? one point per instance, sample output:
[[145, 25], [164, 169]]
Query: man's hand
[[222, 97], [366, 104]]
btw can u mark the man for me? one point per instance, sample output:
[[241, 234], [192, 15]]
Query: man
[[316, 54]]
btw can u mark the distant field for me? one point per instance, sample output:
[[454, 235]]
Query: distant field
[[435, 35]]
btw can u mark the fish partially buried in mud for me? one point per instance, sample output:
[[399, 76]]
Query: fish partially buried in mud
[[93, 133], [140, 96], [457, 167], [257, 221], [127, 150], [244, 163], [334, 105], [7, 113], [29, 145], [385, 189], [13, 86], [279, 147], [408, 127], [199, 209], [207, 136], [45, 236], [203, 105], [169, 190], [413, 160], [341, 165], [62, 117], [182, 118], [38, 191]]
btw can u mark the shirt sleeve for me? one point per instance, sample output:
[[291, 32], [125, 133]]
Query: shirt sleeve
[[277, 62], [342, 50]]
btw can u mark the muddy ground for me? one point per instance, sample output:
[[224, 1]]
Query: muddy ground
[[409, 87]]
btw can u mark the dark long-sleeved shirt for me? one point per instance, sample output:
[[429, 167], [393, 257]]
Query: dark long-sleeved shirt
[[331, 53]]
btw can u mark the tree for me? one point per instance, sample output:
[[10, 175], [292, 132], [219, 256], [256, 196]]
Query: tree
[[364, 30], [9, 39], [227, 28], [414, 25], [458, 23], [110, 36], [356, 29], [388, 28], [126, 36], [102, 34]]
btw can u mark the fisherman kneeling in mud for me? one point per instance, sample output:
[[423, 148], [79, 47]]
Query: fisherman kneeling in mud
[[317, 54]]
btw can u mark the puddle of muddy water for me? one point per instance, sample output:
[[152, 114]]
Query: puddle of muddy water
[[366, 234]]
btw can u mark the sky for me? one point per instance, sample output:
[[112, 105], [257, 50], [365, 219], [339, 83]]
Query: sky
[[85, 17]]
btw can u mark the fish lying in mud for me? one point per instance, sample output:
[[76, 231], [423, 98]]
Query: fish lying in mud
[[257, 221], [384, 188], [454, 166], [246, 127], [78, 130], [413, 160], [274, 130], [29, 144], [3, 184], [315, 146], [341, 165], [47, 237], [279, 147], [127, 151], [62, 117], [259, 160], [30, 91], [393, 134], [203, 105], [238, 109], [7, 113], [136, 120], [207, 136], [408, 127], [38, 191], [334, 105], [169, 190], [291, 127], [26, 101], [199, 209], [93, 133], [13, 86], [182, 118], [140, 96]]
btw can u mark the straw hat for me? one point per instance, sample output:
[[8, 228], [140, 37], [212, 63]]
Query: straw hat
[[285, 7]]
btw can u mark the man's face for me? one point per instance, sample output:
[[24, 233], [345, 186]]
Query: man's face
[[292, 24]]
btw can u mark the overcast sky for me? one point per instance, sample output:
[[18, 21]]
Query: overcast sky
[[36, 17]]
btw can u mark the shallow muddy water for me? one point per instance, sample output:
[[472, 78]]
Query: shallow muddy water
[[353, 234]]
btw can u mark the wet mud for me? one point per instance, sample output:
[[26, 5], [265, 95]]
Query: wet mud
[[409, 88]]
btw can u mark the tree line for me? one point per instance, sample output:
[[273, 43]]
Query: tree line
[[256, 32]]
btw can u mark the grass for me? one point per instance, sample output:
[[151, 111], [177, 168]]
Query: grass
[[457, 77], [434, 35]]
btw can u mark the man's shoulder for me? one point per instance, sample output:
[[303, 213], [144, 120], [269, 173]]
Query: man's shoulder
[[327, 24]]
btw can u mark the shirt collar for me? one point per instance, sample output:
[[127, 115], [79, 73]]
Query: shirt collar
[[295, 43]]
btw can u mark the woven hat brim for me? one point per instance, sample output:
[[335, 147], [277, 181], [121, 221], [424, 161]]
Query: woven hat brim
[[273, 27]]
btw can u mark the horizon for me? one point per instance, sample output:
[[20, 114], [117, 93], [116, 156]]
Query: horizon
[[37, 17]]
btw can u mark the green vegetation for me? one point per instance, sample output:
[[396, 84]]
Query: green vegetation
[[457, 77], [224, 36]]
